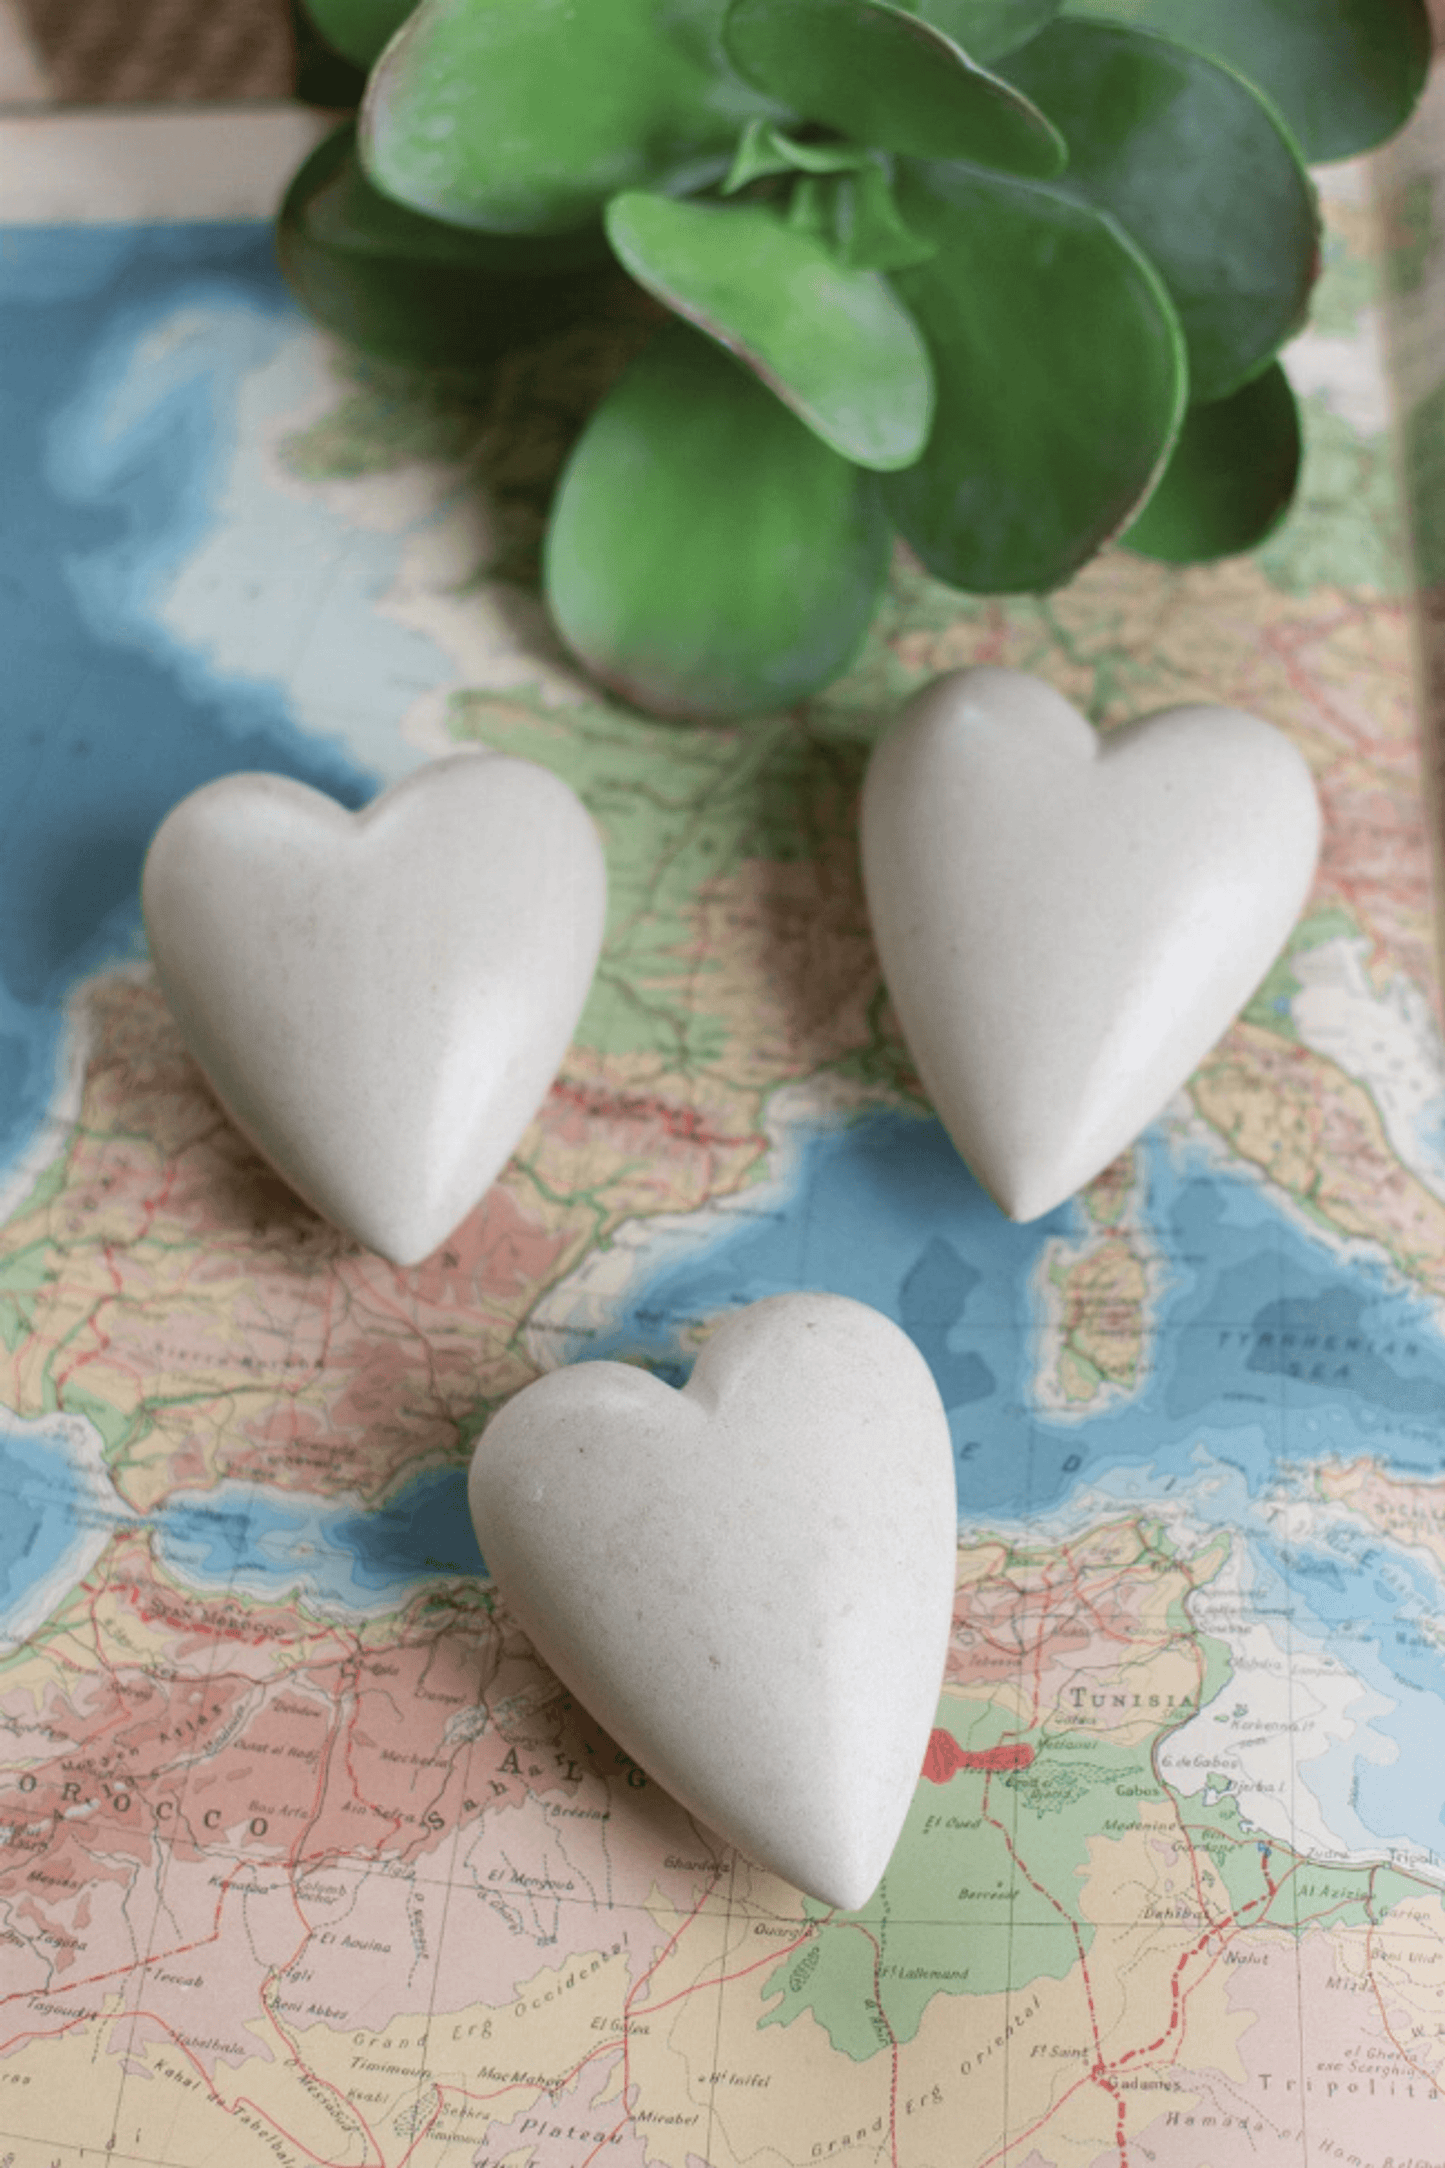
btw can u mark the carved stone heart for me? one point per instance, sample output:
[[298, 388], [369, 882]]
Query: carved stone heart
[[748, 1582], [380, 1000], [1068, 922]]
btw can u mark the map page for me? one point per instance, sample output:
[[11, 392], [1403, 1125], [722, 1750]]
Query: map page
[[305, 1858]]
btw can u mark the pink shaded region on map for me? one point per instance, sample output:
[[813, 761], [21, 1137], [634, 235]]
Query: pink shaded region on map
[[945, 1757]]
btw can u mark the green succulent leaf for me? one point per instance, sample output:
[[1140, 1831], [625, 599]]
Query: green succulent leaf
[[1061, 378], [765, 148], [1192, 163], [358, 29], [812, 207], [411, 289], [1231, 477], [868, 232], [524, 116], [843, 198], [887, 77], [709, 557], [836, 345], [986, 29], [1344, 73]]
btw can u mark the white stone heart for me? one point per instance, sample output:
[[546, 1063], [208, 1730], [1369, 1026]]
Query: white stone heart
[[380, 1000], [749, 1582], [1067, 922]]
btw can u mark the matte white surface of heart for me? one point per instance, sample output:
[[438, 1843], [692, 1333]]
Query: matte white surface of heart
[[749, 1582], [380, 1000], [1068, 922]]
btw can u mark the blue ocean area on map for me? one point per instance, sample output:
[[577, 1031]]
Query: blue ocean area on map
[[56, 1510], [1269, 1350], [1260, 1328], [342, 1556], [108, 722], [1377, 1606]]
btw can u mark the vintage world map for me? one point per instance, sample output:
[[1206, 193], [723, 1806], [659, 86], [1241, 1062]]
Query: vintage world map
[[304, 1857]]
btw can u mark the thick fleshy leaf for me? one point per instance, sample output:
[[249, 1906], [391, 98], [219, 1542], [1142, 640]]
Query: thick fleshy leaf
[[1231, 477], [524, 116], [1061, 380], [358, 29], [843, 197], [867, 230], [836, 345], [986, 29], [412, 289], [1193, 164], [708, 556], [764, 148], [813, 205], [887, 77], [1344, 73]]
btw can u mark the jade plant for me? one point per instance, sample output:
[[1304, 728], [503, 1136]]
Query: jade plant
[[1003, 278]]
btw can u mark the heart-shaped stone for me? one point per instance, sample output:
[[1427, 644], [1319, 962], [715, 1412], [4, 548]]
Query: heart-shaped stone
[[748, 1582], [1067, 922], [380, 1000]]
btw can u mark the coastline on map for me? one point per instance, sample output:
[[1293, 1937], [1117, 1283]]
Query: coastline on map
[[1130, 1232], [67, 1047], [1339, 1768], [62, 1511], [1361, 1253], [72, 1046], [338, 1557], [1248, 1285], [1275, 1346], [587, 1304]]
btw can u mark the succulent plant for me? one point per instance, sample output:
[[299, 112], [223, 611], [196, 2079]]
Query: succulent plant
[[1006, 278]]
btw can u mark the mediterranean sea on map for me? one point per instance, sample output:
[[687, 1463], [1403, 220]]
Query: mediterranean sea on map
[[1270, 1350], [1273, 1347]]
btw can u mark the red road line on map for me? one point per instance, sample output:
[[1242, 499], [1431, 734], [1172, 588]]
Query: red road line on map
[[348, 1733], [520, 2085], [1018, 2138], [877, 1948], [1219, 1928], [427, 2127], [670, 1945], [170, 1954], [244, 2100], [324, 1771], [1390, 2034], [1099, 2073], [569, 2078], [619, 2125], [54, 2032], [664, 1953], [769, 1957], [94, 1979], [1176, 2002]]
